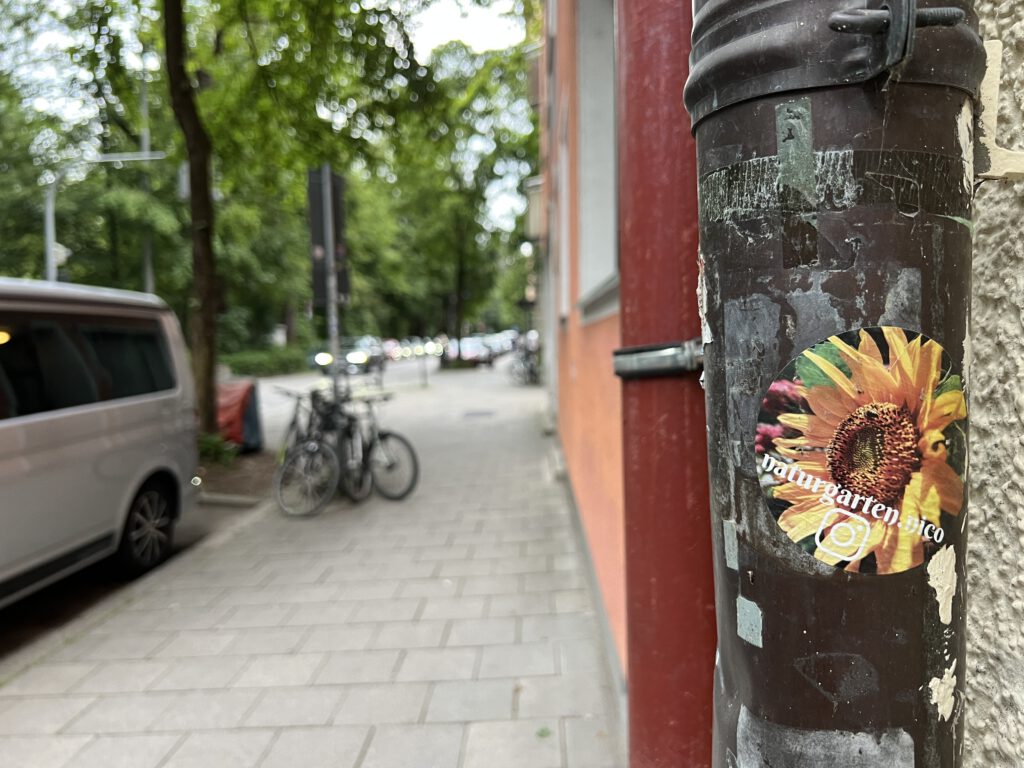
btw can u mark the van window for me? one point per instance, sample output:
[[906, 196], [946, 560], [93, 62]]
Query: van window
[[132, 357], [42, 370], [49, 362]]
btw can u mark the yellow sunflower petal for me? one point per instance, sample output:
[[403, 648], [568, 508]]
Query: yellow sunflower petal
[[932, 445], [827, 557], [795, 494], [897, 341], [868, 374], [802, 521], [835, 375], [921, 500], [900, 551], [929, 368], [814, 463], [869, 347], [941, 477], [946, 408], [788, 451], [813, 428], [831, 404], [927, 371]]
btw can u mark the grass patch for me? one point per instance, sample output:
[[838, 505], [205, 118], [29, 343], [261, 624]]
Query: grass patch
[[266, 362], [216, 450]]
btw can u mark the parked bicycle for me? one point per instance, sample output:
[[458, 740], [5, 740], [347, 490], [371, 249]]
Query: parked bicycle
[[308, 470], [337, 443], [387, 456], [525, 367]]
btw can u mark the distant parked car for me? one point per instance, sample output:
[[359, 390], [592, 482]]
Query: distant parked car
[[496, 344], [392, 349], [473, 349], [359, 354]]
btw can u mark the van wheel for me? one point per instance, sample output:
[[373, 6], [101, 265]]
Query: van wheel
[[148, 531]]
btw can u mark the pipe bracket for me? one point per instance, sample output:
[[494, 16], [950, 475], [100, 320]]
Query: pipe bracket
[[652, 360]]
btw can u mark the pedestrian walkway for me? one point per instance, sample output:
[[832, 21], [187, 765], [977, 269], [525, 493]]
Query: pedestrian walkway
[[452, 630]]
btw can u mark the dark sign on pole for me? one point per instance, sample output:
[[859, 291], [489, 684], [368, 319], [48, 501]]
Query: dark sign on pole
[[316, 227]]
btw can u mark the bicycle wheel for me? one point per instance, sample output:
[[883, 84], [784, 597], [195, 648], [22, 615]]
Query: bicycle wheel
[[356, 481], [394, 466], [307, 479], [291, 438], [517, 372]]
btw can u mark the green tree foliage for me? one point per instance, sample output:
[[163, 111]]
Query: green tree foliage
[[21, 247], [449, 160], [429, 150]]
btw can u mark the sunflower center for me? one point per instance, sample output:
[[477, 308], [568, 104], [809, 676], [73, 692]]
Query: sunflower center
[[874, 451]]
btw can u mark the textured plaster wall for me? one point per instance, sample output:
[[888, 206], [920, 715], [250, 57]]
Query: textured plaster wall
[[995, 677]]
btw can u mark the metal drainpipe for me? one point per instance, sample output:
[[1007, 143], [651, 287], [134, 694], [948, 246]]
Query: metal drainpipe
[[669, 582], [835, 189]]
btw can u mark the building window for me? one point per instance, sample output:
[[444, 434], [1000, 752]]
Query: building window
[[598, 208]]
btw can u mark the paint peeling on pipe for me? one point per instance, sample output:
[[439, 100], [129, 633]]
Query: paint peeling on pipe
[[749, 621], [944, 692], [731, 544], [942, 578]]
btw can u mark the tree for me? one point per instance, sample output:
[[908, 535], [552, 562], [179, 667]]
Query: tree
[[322, 55], [20, 247], [477, 133], [205, 291], [278, 87]]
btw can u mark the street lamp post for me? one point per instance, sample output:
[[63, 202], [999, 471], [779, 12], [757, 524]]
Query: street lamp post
[[50, 223]]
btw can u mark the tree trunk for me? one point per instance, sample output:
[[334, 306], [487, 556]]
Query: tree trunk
[[289, 322], [460, 281], [460, 299], [204, 300]]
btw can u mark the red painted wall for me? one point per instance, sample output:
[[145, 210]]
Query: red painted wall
[[668, 532]]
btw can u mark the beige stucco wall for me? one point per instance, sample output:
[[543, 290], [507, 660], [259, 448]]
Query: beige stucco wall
[[995, 676]]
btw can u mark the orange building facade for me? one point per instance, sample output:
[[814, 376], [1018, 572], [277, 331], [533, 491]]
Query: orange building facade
[[618, 247], [579, 294]]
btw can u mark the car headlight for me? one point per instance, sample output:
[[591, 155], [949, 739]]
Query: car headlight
[[357, 357], [323, 358]]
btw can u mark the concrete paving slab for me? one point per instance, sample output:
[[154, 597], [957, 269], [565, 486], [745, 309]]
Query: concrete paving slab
[[451, 630]]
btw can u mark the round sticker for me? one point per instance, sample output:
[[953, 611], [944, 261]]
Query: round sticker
[[861, 449]]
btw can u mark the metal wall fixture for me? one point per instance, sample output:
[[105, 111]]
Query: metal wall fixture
[[659, 359]]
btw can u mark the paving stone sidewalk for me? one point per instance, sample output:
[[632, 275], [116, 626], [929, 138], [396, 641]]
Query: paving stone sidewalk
[[452, 630]]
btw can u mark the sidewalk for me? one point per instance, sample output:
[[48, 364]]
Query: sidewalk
[[452, 630]]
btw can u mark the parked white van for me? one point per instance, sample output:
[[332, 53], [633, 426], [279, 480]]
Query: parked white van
[[97, 431]]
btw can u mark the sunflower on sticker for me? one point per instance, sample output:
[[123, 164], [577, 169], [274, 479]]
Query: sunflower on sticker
[[869, 453]]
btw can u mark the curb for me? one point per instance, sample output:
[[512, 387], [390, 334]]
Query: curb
[[228, 500]]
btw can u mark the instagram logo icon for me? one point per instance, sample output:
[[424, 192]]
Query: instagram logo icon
[[842, 535]]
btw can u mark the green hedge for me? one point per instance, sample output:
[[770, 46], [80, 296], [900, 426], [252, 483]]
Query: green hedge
[[266, 362]]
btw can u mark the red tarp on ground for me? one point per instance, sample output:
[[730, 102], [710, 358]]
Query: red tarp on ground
[[238, 416]]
